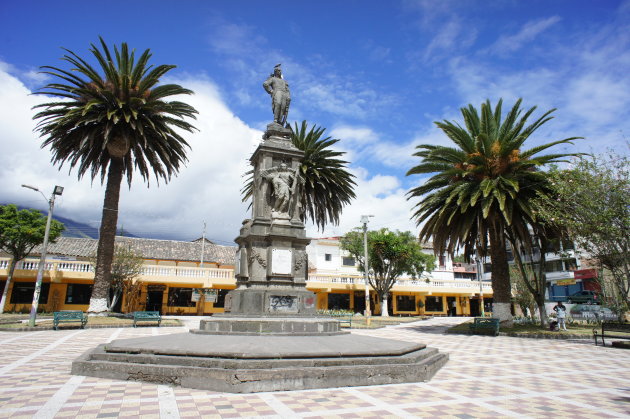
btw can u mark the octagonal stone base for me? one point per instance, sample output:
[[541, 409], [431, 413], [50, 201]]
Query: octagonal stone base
[[246, 364]]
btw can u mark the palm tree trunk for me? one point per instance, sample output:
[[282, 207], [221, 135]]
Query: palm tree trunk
[[5, 293], [501, 287], [107, 236]]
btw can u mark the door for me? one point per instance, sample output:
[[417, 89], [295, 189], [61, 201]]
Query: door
[[154, 301], [475, 307], [451, 305]]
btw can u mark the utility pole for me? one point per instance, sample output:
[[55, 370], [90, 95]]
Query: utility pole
[[364, 220], [203, 242], [42, 260]]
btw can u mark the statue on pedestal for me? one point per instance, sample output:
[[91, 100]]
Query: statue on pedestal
[[278, 88]]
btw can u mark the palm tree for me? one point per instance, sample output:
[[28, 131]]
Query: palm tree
[[328, 185], [113, 123], [483, 186]]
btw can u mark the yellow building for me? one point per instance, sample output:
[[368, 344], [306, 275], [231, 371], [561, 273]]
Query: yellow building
[[173, 280]]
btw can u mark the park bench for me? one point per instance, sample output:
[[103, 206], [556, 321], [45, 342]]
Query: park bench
[[612, 330], [68, 317], [485, 325], [146, 316], [345, 320]]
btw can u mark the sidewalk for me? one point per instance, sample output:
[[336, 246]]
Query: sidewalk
[[485, 377]]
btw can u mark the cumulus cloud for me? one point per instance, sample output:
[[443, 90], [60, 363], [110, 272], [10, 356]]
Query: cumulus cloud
[[208, 188], [379, 195]]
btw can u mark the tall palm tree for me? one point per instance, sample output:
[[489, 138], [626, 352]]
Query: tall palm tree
[[482, 186], [112, 123], [328, 185]]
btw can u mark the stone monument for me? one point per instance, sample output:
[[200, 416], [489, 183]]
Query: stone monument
[[270, 337]]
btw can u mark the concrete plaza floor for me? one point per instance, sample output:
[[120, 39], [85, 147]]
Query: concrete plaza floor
[[485, 377]]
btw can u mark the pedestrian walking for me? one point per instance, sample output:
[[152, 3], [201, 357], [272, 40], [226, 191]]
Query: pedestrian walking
[[561, 315]]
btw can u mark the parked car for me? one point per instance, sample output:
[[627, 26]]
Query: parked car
[[585, 296]]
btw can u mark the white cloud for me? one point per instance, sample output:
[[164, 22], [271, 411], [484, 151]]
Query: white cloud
[[208, 188], [450, 36], [529, 31], [381, 196]]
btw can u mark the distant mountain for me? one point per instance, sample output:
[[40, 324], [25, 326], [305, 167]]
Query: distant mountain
[[77, 229]]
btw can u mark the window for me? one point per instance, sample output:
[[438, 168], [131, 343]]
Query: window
[[327, 257], [78, 293], [405, 303], [338, 301], [220, 298], [433, 303], [553, 266], [348, 261], [570, 264], [180, 297], [23, 293]]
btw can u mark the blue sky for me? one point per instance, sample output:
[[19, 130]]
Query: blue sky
[[376, 74]]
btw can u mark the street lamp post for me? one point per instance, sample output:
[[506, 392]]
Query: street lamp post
[[364, 220], [42, 260]]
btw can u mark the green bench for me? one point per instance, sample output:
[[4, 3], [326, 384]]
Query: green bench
[[344, 320], [68, 317], [146, 316], [613, 330], [485, 325]]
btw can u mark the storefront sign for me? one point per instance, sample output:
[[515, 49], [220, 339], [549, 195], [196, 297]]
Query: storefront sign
[[210, 295], [566, 282]]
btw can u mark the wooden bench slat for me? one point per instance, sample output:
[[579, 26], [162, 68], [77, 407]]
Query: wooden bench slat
[[146, 316], [68, 317], [608, 327]]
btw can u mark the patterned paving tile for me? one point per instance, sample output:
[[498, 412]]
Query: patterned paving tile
[[314, 401], [453, 410], [485, 377]]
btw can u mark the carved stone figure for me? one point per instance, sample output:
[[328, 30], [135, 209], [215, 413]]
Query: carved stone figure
[[282, 180], [278, 88]]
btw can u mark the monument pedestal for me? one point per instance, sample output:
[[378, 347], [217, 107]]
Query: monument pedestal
[[270, 337]]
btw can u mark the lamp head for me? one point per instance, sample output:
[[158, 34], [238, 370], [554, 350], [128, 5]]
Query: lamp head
[[30, 187], [58, 190]]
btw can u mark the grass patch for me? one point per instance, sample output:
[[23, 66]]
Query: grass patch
[[376, 322], [532, 329]]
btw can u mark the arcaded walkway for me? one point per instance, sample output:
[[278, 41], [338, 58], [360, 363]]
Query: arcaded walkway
[[485, 377]]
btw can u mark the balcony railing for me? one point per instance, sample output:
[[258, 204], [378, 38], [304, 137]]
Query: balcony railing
[[147, 270], [416, 283]]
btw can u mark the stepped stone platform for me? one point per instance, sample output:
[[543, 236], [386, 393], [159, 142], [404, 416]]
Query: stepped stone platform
[[265, 362]]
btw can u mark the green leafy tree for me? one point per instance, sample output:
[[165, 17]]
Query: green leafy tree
[[390, 255], [20, 232], [592, 200], [113, 122], [481, 186], [328, 185], [126, 267], [528, 271]]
